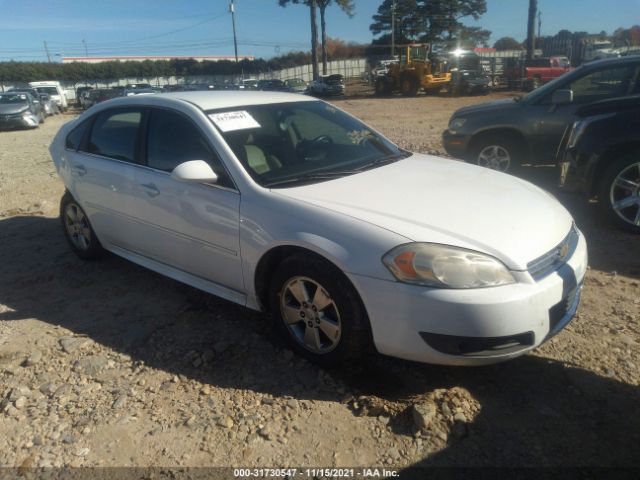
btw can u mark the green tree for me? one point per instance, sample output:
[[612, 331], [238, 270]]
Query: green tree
[[347, 6], [312, 4], [507, 43], [432, 21]]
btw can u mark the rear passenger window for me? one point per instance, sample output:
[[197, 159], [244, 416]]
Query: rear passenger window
[[115, 133], [174, 139], [76, 135]]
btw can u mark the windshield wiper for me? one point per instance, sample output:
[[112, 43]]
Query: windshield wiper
[[311, 176], [381, 161]]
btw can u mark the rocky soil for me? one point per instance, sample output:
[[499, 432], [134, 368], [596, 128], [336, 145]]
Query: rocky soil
[[107, 364]]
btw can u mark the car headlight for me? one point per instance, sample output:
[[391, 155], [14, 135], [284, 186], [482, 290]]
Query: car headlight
[[442, 266], [457, 123]]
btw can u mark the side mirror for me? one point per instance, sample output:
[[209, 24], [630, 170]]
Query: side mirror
[[194, 171], [562, 97]]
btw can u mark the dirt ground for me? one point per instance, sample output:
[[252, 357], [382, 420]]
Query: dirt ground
[[107, 364]]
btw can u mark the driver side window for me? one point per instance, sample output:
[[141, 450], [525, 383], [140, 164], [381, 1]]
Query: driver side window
[[601, 84]]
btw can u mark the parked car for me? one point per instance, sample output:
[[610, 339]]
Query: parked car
[[507, 133], [272, 85], [133, 86], [48, 105], [31, 91], [81, 92], [19, 110], [600, 156], [536, 72], [260, 198], [297, 85], [141, 91], [54, 90], [248, 84], [328, 85], [469, 82], [99, 95]]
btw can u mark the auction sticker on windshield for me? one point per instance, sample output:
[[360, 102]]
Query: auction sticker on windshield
[[230, 121]]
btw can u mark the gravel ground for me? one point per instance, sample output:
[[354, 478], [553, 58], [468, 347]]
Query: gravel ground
[[107, 364]]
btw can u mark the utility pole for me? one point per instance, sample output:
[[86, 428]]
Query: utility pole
[[232, 9], [46, 50], [531, 25], [314, 39], [86, 51], [393, 28]]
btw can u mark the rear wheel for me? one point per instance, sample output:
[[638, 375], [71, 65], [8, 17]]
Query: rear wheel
[[318, 311], [619, 192], [497, 152], [77, 229]]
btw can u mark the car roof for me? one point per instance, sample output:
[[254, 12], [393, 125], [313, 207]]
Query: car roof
[[219, 99], [613, 61]]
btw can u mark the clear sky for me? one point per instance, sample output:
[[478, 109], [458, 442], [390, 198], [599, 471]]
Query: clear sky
[[203, 27]]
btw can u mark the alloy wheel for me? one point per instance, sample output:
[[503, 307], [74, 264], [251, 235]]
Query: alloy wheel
[[495, 157], [310, 315], [77, 226], [624, 194]]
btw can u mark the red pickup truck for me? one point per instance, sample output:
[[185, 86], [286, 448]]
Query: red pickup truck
[[537, 71]]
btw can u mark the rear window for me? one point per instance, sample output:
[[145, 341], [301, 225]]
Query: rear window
[[74, 139], [115, 134]]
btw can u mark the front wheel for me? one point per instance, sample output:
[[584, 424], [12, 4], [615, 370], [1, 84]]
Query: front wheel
[[77, 229], [382, 87], [619, 192], [497, 153], [318, 311]]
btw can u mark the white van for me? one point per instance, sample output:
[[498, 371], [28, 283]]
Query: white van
[[54, 90]]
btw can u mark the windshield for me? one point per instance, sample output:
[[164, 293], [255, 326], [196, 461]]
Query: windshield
[[47, 90], [16, 98], [286, 144]]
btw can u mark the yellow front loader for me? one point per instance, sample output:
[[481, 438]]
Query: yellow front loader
[[414, 72]]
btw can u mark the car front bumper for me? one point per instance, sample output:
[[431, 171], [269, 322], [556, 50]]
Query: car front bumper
[[455, 143], [474, 326], [8, 122]]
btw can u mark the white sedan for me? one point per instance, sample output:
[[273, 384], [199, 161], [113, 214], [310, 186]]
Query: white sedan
[[288, 205]]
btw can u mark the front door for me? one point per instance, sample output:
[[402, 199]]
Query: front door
[[551, 120], [190, 226]]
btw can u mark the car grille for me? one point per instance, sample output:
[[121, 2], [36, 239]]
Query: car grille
[[554, 258], [560, 309]]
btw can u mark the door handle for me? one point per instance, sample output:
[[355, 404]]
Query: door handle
[[150, 189], [79, 170]]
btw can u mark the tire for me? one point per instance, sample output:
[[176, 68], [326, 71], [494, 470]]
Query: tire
[[497, 152], [41, 118], [619, 192], [318, 312], [382, 87], [77, 229], [409, 86]]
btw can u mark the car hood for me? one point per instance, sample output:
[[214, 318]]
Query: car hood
[[432, 199], [505, 104], [11, 108]]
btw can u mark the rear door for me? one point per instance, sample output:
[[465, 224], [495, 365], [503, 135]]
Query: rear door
[[103, 171], [551, 120], [193, 227]]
